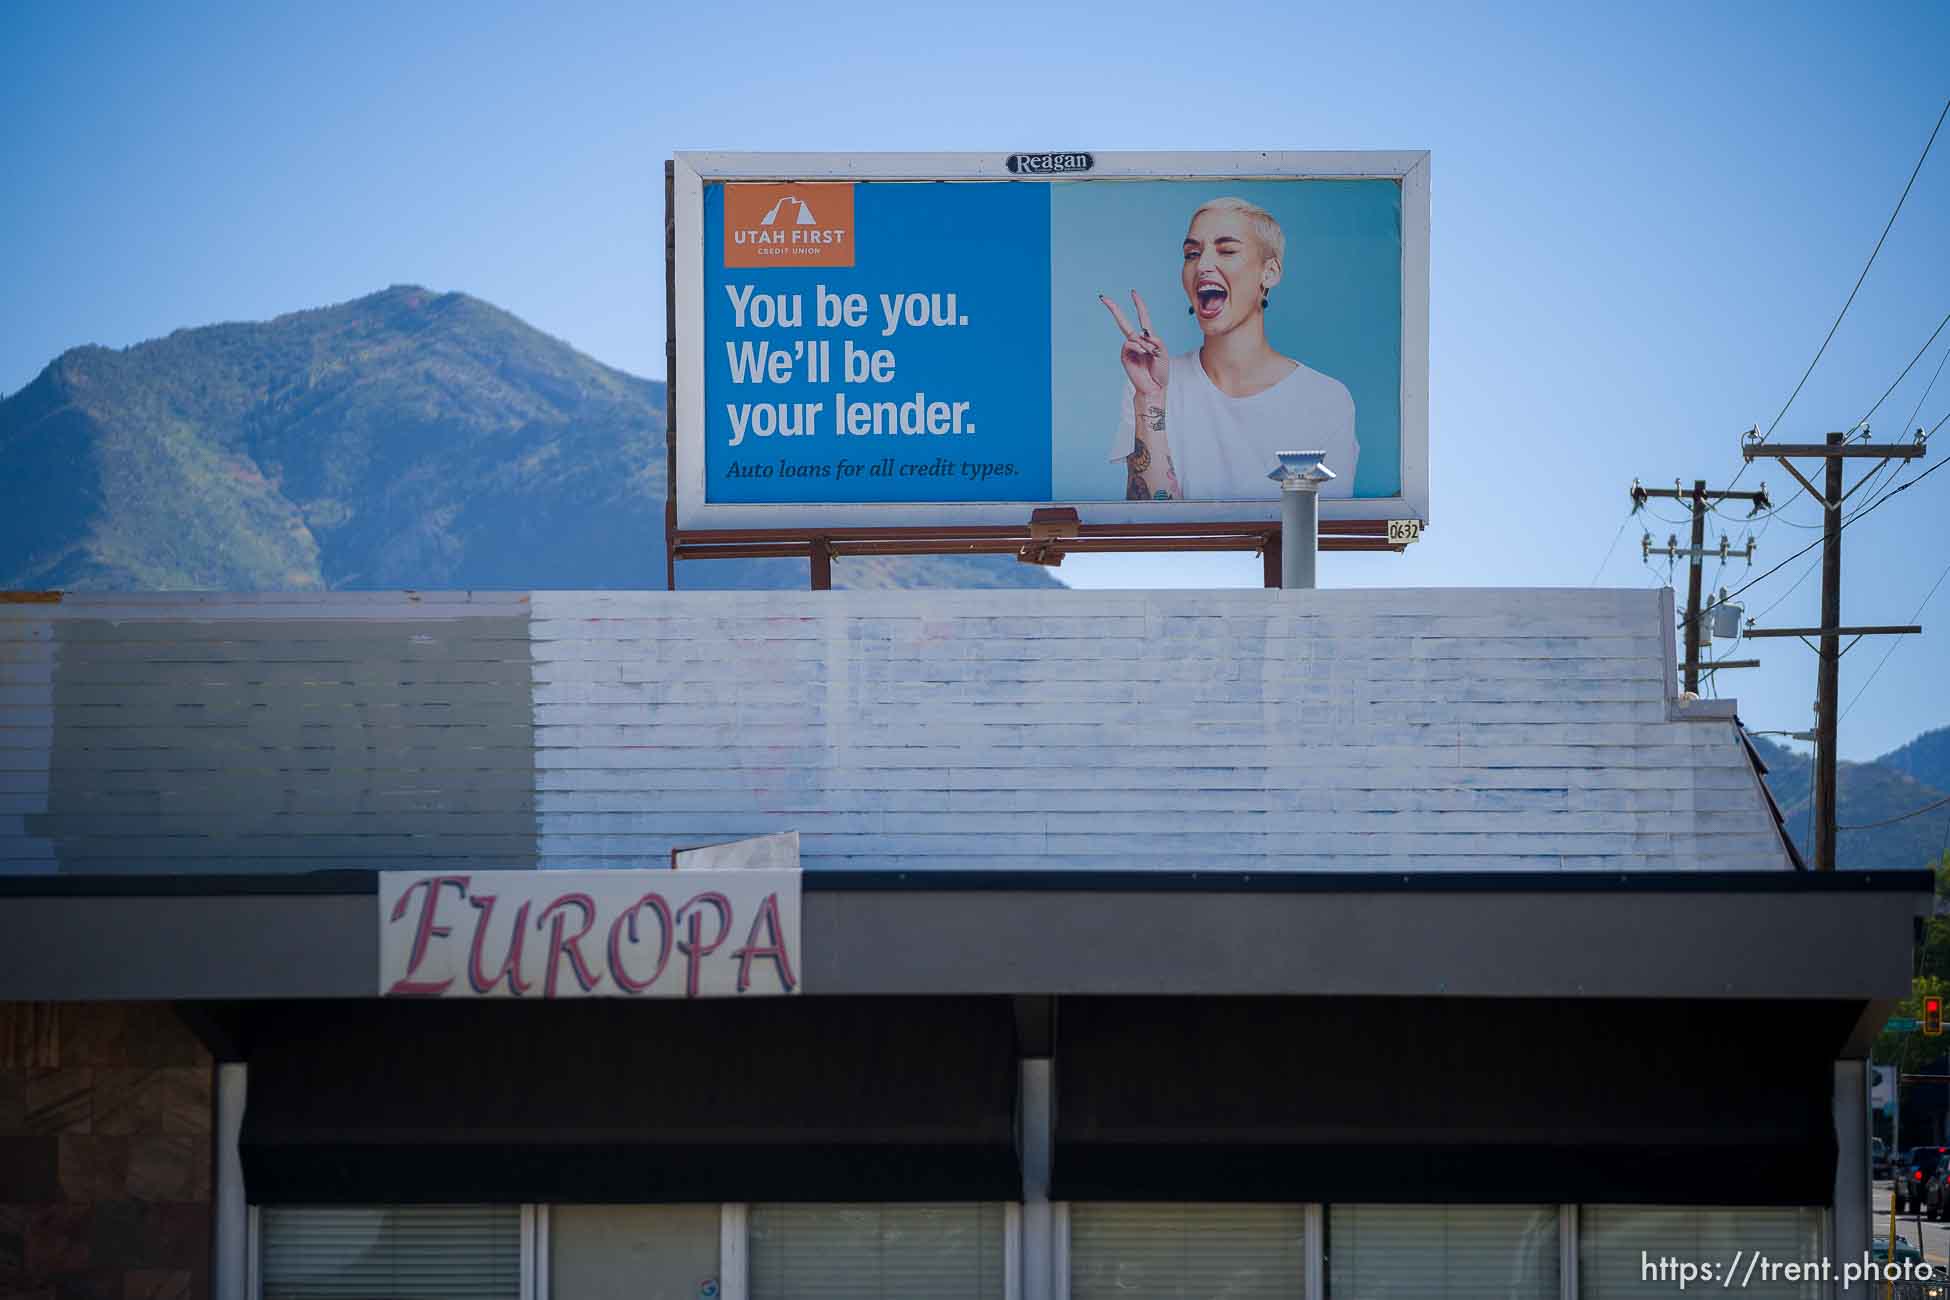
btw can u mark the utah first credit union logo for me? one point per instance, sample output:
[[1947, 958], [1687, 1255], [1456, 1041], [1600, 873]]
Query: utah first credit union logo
[[788, 225]]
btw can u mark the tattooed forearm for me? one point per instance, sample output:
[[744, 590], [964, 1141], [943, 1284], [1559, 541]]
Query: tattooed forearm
[[1144, 483]]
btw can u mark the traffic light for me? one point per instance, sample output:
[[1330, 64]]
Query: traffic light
[[1933, 1016]]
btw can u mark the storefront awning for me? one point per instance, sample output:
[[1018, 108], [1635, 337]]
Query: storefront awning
[[833, 1099], [1446, 1100]]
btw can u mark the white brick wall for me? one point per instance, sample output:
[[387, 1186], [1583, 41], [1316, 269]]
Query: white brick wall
[[1326, 730], [1248, 730]]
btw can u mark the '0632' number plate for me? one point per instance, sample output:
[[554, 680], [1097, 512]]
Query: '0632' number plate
[[1403, 531]]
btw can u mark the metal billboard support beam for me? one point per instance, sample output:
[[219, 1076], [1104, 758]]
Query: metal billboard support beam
[[1300, 475], [822, 565], [670, 379]]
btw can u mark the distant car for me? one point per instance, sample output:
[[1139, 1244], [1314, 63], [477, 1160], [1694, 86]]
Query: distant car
[[1936, 1187], [1906, 1251], [1913, 1175], [1878, 1158], [1934, 1190]]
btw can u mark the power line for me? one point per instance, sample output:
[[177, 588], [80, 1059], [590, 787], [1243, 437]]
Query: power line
[[1892, 492], [1922, 436], [1865, 272], [1806, 573], [1877, 497], [1676, 523], [1891, 821], [1792, 523], [1893, 644], [1622, 525], [1791, 590], [1766, 517], [1768, 523], [1906, 369], [1814, 769], [1864, 509], [1886, 227], [1927, 389], [1931, 594]]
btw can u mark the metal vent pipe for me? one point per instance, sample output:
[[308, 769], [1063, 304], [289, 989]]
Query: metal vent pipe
[[1300, 475]]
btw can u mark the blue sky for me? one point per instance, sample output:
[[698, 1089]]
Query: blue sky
[[1645, 218]]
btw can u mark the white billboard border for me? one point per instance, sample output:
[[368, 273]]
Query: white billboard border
[[692, 169]]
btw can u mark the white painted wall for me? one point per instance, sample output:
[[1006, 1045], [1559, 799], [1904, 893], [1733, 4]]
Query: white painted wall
[[1325, 730], [1385, 730]]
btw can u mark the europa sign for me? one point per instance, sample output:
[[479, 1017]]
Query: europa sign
[[562, 934], [1132, 334]]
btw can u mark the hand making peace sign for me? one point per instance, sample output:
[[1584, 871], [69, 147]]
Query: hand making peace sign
[[1143, 352]]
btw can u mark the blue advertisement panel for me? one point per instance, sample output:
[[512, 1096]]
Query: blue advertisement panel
[[921, 372], [1140, 340]]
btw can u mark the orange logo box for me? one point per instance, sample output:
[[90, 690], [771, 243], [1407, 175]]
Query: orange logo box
[[788, 225]]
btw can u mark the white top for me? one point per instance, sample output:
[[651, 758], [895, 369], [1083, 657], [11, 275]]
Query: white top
[[1224, 447]]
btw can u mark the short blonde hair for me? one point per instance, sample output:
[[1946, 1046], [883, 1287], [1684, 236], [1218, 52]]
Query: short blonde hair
[[1265, 226]]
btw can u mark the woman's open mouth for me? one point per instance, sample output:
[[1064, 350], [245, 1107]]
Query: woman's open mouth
[[1211, 301]]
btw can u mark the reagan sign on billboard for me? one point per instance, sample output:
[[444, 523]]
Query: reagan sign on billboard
[[1136, 339]]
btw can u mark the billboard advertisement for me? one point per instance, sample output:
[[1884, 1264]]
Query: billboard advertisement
[[926, 340]]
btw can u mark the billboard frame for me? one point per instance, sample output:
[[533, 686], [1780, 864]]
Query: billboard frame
[[1038, 531]]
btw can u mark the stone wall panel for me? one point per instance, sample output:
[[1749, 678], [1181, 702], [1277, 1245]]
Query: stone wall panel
[[105, 1156]]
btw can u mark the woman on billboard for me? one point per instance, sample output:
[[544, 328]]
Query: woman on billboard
[[1206, 425]]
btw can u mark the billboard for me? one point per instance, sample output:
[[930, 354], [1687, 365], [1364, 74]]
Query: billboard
[[911, 341]]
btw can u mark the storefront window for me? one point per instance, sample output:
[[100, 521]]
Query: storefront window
[[1442, 1252], [418, 1252], [1182, 1252], [1623, 1249], [876, 1252], [645, 1252]]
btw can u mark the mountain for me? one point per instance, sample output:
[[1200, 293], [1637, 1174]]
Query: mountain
[[1927, 758], [407, 439], [1865, 794]]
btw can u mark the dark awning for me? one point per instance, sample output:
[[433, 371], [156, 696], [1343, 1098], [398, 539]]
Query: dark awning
[[1446, 1100], [785, 1099]]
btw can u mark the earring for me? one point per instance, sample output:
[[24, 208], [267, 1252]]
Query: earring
[[1188, 310], [1265, 297]]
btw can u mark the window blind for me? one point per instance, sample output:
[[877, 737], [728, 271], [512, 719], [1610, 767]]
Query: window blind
[[1442, 1252], [876, 1252], [636, 1252], [1615, 1241], [1178, 1252], [419, 1252]]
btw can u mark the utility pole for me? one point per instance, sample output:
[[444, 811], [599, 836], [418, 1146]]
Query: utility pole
[[1830, 651], [1701, 501]]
